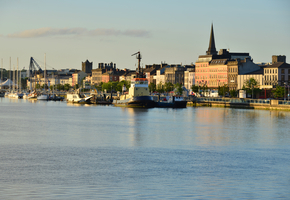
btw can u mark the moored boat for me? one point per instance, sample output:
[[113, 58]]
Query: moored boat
[[77, 98], [42, 97], [138, 95], [172, 102], [32, 95]]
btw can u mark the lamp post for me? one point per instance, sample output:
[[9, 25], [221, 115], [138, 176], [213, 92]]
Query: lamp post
[[288, 92], [284, 91]]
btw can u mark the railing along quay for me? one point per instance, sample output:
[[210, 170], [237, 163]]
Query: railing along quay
[[240, 103]]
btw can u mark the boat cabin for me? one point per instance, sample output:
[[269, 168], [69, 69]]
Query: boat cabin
[[139, 82], [139, 87]]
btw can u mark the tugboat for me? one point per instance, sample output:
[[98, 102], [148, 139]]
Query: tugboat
[[138, 95], [172, 102]]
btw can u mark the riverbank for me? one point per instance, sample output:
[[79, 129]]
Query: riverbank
[[262, 104]]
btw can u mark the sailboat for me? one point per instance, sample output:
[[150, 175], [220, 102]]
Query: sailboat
[[44, 96]]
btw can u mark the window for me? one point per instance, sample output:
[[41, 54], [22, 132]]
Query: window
[[283, 71], [282, 78]]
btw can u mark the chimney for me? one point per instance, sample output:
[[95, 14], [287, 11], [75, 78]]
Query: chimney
[[279, 58]]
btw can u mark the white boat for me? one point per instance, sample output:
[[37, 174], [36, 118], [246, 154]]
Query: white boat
[[16, 95], [43, 97], [77, 98], [138, 95], [32, 95]]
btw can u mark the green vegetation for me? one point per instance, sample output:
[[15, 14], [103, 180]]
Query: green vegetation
[[251, 86], [194, 88], [223, 90], [113, 86], [279, 92], [178, 88], [233, 93], [152, 87], [168, 87]]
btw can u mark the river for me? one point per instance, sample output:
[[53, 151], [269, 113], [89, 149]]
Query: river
[[55, 150]]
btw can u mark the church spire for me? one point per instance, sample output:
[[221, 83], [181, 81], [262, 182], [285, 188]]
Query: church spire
[[211, 49]]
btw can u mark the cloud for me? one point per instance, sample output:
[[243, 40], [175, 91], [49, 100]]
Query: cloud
[[44, 32]]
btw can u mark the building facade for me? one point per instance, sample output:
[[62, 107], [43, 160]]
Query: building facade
[[216, 70], [87, 67]]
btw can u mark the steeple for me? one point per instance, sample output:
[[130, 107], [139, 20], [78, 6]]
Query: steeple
[[211, 49]]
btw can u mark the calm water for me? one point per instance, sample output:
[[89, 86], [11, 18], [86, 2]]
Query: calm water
[[55, 150]]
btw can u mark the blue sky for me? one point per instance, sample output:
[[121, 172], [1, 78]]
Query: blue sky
[[171, 31]]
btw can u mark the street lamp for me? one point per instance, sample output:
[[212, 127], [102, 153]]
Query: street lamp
[[284, 91]]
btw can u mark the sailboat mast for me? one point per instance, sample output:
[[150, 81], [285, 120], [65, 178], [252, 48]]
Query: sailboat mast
[[10, 76], [13, 77], [45, 72], [17, 76], [1, 70]]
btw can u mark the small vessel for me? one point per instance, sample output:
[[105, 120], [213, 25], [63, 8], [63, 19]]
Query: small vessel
[[42, 97], [77, 98], [16, 95], [138, 92], [54, 97], [100, 99], [2, 93], [138, 95], [172, 102], [31, 95]]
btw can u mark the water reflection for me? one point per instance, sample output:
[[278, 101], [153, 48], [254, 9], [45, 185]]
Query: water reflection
[[136, 119]]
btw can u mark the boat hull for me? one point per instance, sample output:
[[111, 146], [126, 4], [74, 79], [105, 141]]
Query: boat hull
[[176, 104], [43, 97], [76, 98], [136, 102]]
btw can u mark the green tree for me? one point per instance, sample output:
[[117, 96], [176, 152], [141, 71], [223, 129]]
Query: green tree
[[168, 86], [152, 87], [66, 87], [194, 88], [251, 86], [178, 88], [222, 90], [279, 92], [160, 87], [233, 93], [76, 86]]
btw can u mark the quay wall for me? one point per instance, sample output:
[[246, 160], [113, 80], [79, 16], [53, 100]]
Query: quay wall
[[268, 104]]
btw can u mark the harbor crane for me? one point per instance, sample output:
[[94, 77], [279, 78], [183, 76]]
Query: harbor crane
[[32, 67], [140, 71]]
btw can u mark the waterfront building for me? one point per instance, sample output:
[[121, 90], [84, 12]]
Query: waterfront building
[[257, 75], [278, 73], [175, 74], [189, 78], [65, 79], [87, 67], [77, 77], [160, 75], [111, 76], [98, 73], [150, 72], [214, 70], [127, 75]]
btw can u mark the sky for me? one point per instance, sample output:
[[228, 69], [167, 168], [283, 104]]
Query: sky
[[70, 32]]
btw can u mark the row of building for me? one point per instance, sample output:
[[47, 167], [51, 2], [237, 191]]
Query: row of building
[[213, 70], [230, 69]]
